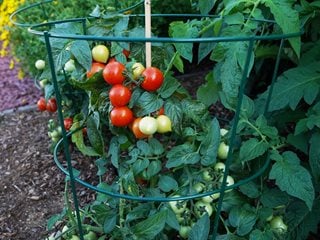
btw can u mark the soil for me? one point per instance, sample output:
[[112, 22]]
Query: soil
[[31, 186]]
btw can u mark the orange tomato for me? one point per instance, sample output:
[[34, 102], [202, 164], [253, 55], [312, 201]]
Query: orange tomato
[[135, 129]]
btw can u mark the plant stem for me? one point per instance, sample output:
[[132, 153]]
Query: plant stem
[[121, 206]]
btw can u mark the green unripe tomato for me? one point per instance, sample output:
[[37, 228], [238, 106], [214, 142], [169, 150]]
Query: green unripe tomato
[[184, 231], [219, 167], [278, 225], [148, 125], [90, 236], [201, 208], [198, 187], [178, 207], [137, 70], [164, 124], [229, 182], [223, 151], [40, 64], [69, 66], [210, 198], [43, 82], [207, 176], [74, 237], [223, 132]]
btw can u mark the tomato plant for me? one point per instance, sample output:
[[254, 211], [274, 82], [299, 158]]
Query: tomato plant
[[184, 149], [113, 73], [119, 95]]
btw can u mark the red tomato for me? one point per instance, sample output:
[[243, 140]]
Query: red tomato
[[119, 95], [52, 105], [153, 79], [160, 111], [135, 129], [121, 116], [126, 52], [113, 73], [42, 105], [67, 122], [95, 67]]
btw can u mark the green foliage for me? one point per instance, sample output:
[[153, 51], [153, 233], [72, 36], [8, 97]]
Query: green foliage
[[171, 164]]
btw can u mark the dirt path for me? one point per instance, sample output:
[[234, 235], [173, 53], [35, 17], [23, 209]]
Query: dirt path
[[13, 92]]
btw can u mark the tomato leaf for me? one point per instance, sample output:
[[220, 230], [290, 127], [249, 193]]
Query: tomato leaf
[[154, 168], [257, 234], [172, 220], [94, 133], [208, 93], [292, 178], [141, 211], [210, 144], [206, 5], [148, 103], [114, 149], [174, 111], [229, 69], [109, 223], [180, 29], [250, 189], [80, 49], [201, 229], [169, 86], [309, 224], [140, 165], [150, 227], [252, 149], [287, 18], [273, 198], [180, 155], [167, 183], [156, 146], [77, 138], [243, 219], [295, 84], [229, 236], [314, 155], [93, 83]]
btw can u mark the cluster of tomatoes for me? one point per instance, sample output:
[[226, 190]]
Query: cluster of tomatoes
[[44, 105], [115, 74]]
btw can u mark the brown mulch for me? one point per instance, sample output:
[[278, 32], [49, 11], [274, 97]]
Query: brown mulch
[[31, 186]]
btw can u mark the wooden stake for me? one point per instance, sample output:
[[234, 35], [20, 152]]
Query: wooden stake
[[147, 11]]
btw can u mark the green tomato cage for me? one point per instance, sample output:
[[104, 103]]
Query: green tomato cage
[[63, 144]]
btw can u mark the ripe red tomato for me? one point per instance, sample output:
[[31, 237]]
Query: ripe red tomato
[[135, 129], [121, 116], [42, 105], [95, 67], [67, 122], [119, 95], [52, 105], [160, 111], [126, 52], [113, 73], [153, 79]]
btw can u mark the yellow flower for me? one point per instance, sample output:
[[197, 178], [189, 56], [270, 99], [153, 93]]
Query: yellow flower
[[11, 65]]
